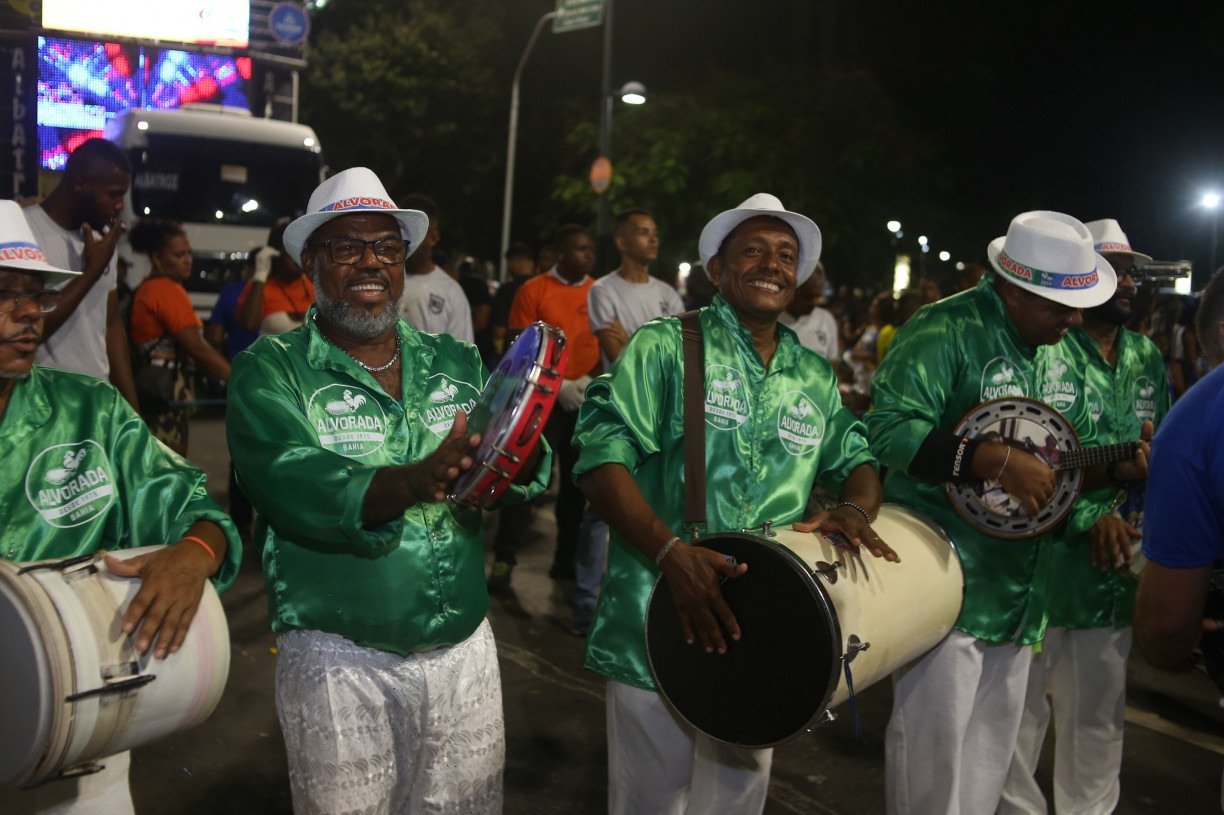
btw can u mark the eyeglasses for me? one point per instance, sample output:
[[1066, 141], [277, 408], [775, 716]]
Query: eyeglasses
[[348, 251], [47, 299]]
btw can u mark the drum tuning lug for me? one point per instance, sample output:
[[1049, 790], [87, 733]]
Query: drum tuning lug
[[853, 646], [118, 686], [514, 457], [828, 570], [78, 771], [62, 565], [827, 716], [767, 530]]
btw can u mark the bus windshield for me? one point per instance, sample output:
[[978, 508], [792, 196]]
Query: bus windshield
[[190, 179]]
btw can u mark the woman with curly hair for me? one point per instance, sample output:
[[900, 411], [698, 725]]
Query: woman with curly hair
[[166, 333]]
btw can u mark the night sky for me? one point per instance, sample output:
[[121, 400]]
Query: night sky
[[1082, 107]]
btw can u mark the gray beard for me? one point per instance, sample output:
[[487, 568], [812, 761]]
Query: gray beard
[[355, 322], [14, 375]]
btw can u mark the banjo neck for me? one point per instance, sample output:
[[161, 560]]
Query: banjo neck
[[1091, 456]]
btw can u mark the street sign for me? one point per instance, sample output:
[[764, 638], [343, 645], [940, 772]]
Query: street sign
[[289, 23], [574, 15]]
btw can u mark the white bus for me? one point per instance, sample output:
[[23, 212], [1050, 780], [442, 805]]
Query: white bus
[[224, 174]]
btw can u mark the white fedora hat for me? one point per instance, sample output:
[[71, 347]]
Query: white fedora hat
[[20, 252], [347, 193], [1050, 254], [724, 223], [1108, 238]]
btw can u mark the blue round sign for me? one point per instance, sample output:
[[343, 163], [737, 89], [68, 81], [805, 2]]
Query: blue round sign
[[289, 23]]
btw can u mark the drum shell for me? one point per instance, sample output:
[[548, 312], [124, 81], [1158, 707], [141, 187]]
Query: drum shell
[[71, 620], [900, 610]]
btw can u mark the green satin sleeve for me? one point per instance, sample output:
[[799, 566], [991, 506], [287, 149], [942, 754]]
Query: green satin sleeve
[[309, 495]]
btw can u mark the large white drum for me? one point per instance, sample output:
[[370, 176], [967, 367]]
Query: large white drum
[[806, 609], [73, 688]]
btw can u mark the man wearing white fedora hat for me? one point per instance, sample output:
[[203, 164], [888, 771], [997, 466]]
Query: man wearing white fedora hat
[[347, 434], [956, 711], [80, 472], [1082, 661], [631, 466]]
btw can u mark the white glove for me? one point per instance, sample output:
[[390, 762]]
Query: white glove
[[263, 264], [573, 393]]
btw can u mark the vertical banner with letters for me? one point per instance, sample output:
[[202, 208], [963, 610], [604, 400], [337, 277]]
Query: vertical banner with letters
[[18, 124]]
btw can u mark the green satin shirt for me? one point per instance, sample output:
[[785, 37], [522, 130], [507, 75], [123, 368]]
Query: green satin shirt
[[770, 434], [83, 473], [947, 358], [308, 429], [1119, 399]]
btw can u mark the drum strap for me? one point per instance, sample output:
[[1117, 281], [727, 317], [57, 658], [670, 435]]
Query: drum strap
[[694, 422]]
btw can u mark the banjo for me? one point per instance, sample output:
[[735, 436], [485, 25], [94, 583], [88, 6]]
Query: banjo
[[1036, 428]]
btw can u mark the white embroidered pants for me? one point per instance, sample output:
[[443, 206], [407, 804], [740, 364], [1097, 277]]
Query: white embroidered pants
[[367, 731]]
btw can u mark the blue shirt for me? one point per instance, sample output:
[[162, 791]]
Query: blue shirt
[[225, 313], [1183, 515]]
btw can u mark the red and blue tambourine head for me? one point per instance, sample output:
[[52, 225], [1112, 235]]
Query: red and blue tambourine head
[[511, 413]]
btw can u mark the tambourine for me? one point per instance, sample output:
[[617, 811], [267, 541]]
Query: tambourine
[[1036, 428], [511, 412]]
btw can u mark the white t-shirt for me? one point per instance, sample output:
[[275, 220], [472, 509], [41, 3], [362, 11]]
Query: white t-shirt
[[80, 343], [817, 331], [435, 303], [634, 304]]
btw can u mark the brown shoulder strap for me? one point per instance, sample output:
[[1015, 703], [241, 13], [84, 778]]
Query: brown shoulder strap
[[694, 422]]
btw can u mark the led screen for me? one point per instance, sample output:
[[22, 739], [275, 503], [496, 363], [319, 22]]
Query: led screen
[[201, 22], [83, 85]]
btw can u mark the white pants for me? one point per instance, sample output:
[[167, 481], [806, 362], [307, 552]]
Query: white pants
[[374, 732], [1085, 673], [658, 765], [102, 793], [953, 727]]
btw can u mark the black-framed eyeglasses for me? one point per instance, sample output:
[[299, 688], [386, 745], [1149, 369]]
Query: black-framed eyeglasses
[[47, 299], [348, 251]]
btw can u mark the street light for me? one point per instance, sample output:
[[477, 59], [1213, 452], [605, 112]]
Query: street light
[[633, 93], [894, 226], [508, 195], [1210, 201], [945, 256]]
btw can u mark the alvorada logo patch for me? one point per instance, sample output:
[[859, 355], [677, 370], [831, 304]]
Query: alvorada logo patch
[[1000, 378], [347, 419], [1145, 398], [1096, 405], [726, 403], [444, 397], [801, 424], [1056, 381], [71, 484]]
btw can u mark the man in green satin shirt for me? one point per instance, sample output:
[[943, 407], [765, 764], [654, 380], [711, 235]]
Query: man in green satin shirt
[[956, 711], [761, 466], [82, 473], [347, 433], [1082, 661]]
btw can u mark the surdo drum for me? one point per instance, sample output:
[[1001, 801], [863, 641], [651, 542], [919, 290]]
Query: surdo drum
[[511, 412], [73, 687], [806, 608]]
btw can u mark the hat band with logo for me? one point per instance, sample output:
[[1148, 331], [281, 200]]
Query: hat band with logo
[[1113, 246], [362, 202], [1049, 280], [21, 250]]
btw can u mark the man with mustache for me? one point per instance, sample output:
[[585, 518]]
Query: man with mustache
[[1082, 662], [82, 473], [347, 434], [631, 466]]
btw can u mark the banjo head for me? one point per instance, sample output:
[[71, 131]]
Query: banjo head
[[1033, 427]]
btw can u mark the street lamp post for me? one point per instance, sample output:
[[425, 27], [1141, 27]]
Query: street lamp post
[[508, 195], [605, 139]]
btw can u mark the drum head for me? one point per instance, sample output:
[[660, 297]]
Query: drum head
[[777, 679], [25, 687]]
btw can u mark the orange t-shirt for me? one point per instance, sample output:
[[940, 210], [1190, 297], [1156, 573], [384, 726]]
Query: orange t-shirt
[[564, 305], [160, 307], [292, 296]]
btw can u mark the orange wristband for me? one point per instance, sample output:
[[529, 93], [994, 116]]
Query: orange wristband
[[211, 554]]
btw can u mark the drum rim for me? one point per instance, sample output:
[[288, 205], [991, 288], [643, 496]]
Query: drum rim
[[1078, 475], [549, 336], [826, 608]]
